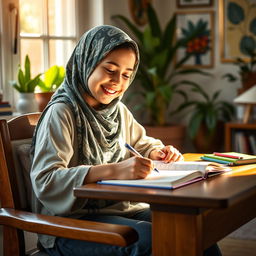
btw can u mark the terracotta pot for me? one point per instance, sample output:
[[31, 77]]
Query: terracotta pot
[[205, 142], [43, 98], [170, 135]]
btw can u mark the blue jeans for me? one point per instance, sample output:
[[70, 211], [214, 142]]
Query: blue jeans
[[141, 222]]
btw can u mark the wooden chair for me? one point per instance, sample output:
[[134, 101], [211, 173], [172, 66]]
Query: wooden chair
[[17, 218]]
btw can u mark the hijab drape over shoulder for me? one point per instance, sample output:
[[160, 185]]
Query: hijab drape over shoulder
[[98, 131]]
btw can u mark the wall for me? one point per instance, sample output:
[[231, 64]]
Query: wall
[[165, 9]]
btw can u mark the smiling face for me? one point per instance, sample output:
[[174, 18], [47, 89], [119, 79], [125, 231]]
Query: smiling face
[[111, 78]]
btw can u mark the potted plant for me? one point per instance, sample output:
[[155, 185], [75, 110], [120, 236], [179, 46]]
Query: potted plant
[[207, 120], [247, 72], [26, 87], [52, 79], [157, 73]]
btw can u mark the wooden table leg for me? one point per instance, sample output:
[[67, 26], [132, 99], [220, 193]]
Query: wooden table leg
[[176, 234]]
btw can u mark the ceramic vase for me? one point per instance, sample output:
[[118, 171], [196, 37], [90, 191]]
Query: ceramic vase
[[26, 103]]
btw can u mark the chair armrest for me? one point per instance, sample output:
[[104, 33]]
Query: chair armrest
[[69, 228]]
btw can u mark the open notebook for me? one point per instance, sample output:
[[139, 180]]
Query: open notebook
[[174, 175]]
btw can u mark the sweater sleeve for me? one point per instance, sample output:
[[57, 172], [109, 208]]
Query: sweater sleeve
[[54, 171], [135, 134]]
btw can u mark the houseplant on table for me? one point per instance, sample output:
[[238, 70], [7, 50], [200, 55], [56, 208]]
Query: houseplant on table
[[206, 125], [25, 85], [157, 74], [48, 84]]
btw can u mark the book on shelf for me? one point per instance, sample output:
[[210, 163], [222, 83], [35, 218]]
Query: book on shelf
[[5, 108], [174, 175], [252, 141], [230, 158]]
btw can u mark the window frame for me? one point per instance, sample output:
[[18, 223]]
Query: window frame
[[9, 61], [45, 37]]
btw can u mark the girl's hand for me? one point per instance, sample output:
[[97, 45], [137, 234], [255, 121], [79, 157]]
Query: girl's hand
[[167, 154], [133, 168]]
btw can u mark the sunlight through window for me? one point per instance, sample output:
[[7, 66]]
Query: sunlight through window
[[47, 32]]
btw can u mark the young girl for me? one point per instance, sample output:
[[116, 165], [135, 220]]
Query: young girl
[[80, 139]]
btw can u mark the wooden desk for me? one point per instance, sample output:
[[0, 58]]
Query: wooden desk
[[188, 220]]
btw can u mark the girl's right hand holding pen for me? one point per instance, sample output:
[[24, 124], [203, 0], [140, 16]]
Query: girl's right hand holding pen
[[134, 168]]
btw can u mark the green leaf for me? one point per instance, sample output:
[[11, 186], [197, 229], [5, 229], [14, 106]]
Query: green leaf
[[150, 98], [211, 119], [159, 61], [15, 85], [194, 124], [230, 77], [61, 76], [166, 92], [50, 76], [21, 80], [42, 86], [153, 22], [193, 71], [182, 60], [169, 33], [27, 74], [216, 95], [149, 41], [185, 105], [33, 83]]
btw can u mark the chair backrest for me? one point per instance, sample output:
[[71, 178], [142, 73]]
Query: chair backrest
[[12, 179], [18, 129], [15, 214]]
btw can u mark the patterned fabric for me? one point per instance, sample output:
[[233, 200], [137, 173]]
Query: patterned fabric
[[98, 131]]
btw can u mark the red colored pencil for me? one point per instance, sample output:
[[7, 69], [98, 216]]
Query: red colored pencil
[[227, 155]]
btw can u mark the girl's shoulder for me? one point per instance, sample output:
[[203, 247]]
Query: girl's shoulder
[[124, 109], [59, 111]]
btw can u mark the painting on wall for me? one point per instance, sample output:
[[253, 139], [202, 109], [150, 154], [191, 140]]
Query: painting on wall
[[194, 3], [199, 51], [237, 26], [138, 10]]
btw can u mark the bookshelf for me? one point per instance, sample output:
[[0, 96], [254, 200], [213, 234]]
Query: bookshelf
[[240, 137]]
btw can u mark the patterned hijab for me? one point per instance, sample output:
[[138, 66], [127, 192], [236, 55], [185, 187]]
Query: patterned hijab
[[98, 131]]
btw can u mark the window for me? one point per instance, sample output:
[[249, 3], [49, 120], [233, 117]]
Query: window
[[47, 32]]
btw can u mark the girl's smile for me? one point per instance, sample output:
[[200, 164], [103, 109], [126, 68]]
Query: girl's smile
[[111, 78]]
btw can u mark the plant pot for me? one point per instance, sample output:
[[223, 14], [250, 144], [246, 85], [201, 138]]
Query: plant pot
[[27, 103], [205, 142], [170, 135], [42, 99]]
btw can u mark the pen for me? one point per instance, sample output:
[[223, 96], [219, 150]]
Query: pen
[[227, 155], [135, 152]]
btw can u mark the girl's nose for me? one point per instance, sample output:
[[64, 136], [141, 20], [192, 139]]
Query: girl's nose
[[116, 78]]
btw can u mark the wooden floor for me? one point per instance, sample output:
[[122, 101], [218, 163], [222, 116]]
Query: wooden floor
[[237, 247]]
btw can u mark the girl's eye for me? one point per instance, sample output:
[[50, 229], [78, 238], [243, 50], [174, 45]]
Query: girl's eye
[[109, 71], [126, 76]]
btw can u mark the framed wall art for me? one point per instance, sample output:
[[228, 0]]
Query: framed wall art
[[237, 28], [199, 50], [138, 10], [194, 3]]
